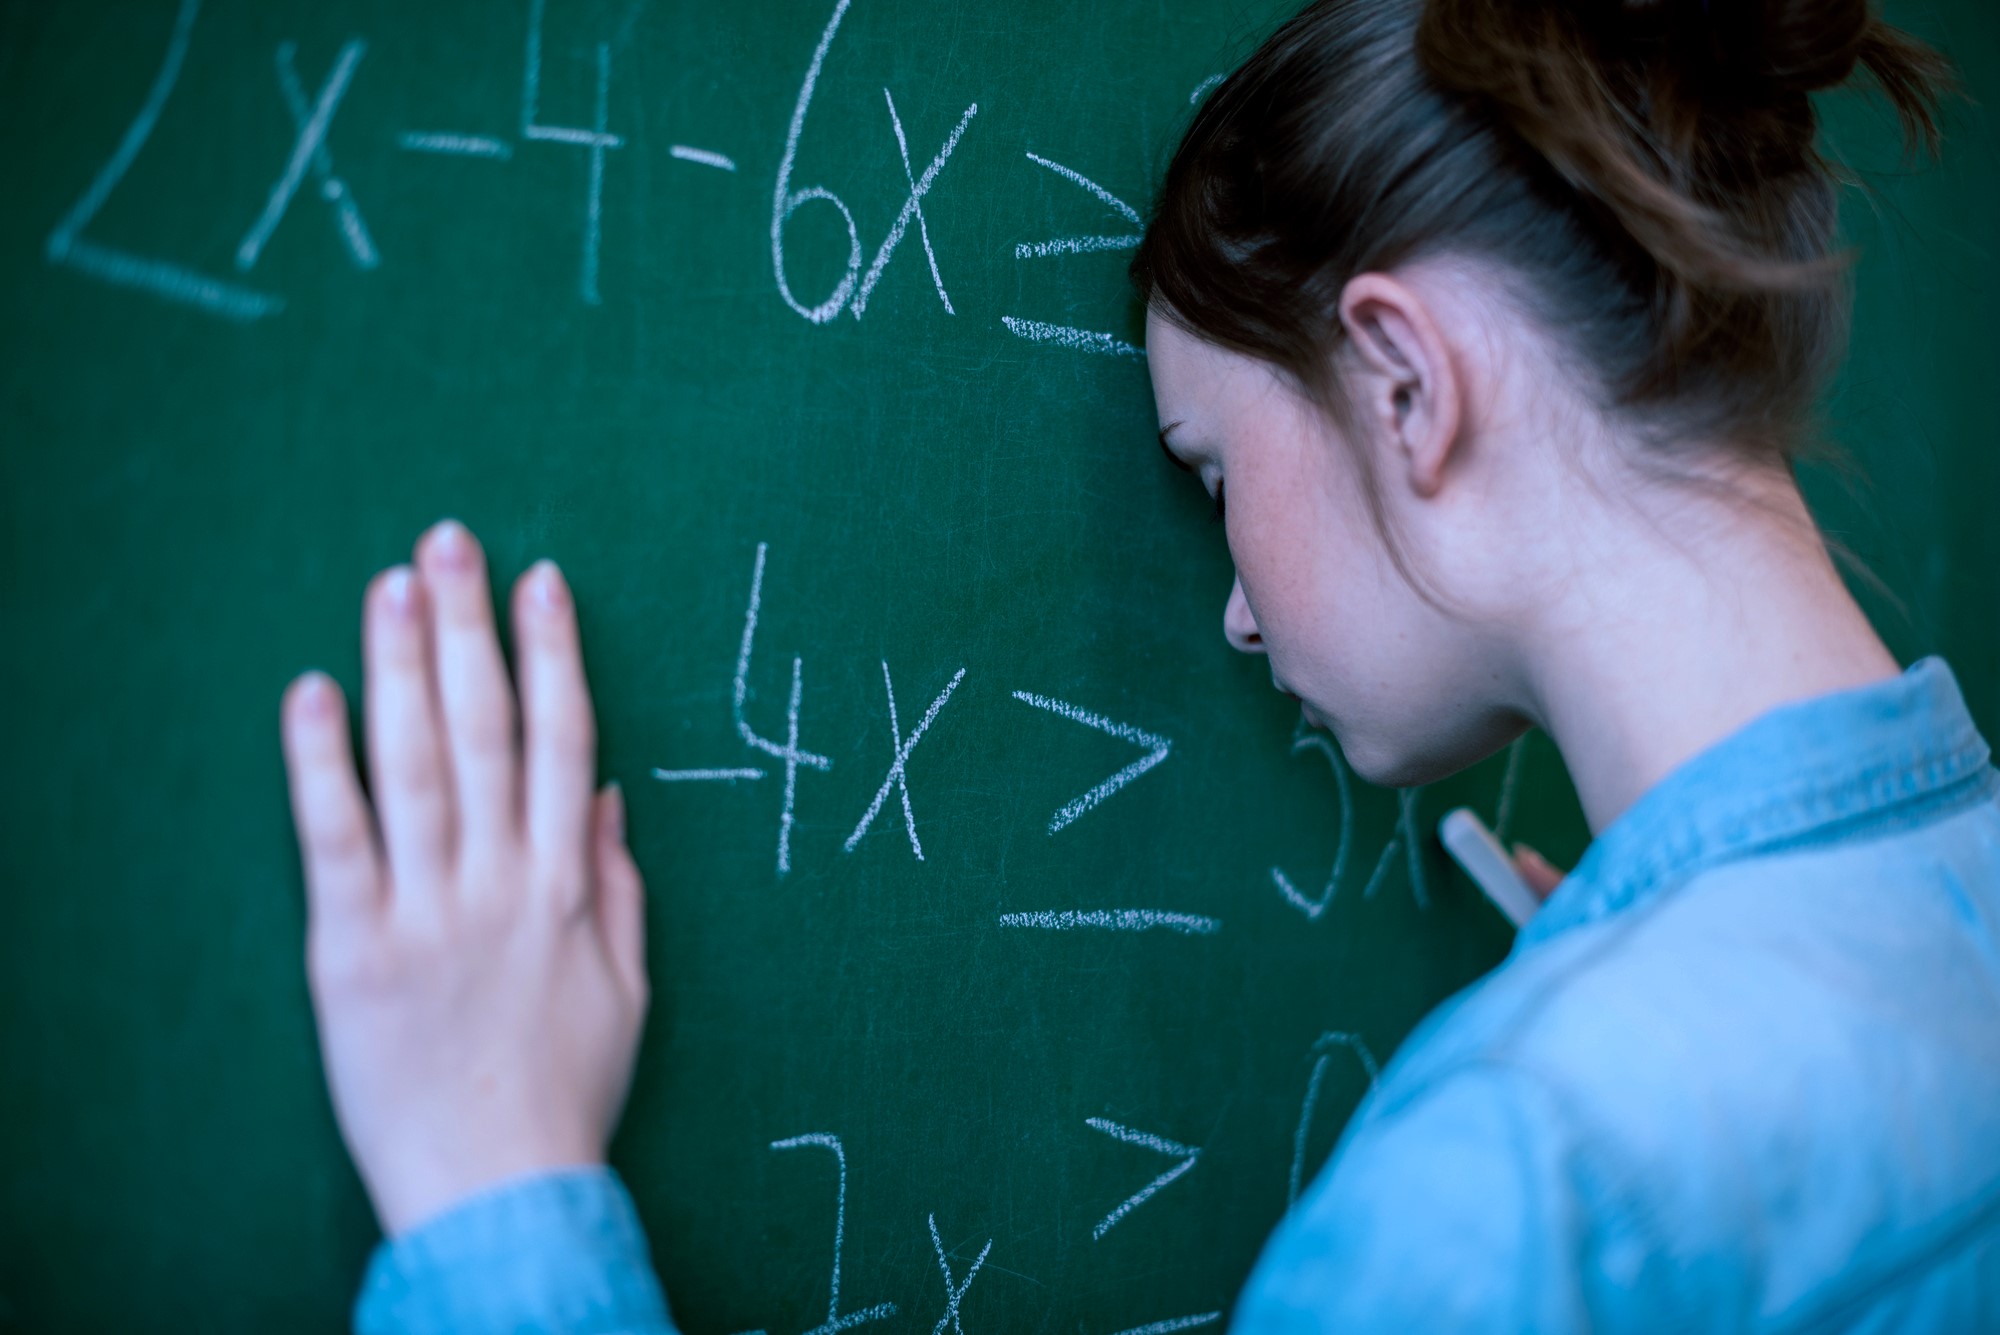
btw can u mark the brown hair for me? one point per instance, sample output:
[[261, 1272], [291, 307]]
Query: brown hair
[[1646, 167]]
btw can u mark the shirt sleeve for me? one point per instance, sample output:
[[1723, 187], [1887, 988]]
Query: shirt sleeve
[[1455, 1211], [554, 1252]]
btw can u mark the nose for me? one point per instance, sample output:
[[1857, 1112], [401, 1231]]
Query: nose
[[1239, 626]]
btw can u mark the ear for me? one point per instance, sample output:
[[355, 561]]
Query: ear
[[1411, 391]]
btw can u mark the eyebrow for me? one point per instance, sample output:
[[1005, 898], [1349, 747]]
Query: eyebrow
[[1168, 450]]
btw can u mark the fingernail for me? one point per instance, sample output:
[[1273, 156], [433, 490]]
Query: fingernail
[[454, 544], [617, 815], [316, 694], [401, 595], [548, 585]]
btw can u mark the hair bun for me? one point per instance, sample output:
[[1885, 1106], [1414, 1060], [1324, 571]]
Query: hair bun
[[1788, 45], [1808, 44]]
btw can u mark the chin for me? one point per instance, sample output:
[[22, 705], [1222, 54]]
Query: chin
[[1416, 758]]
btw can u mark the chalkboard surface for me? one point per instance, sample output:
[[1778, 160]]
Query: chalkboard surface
[[993, 900]]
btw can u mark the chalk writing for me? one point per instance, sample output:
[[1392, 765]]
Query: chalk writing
[[1383, 866], [912, 207], [1157, 1144], [1116, 920], [1173, 1324], [1068, 336], [332, 188], [308, 147], [461, 145], [786, 752], [1323, 1049], [835, 1320], [789, 752], [1503, 816], [1073, 245], [702, 156], [596, 139], [172, 282], [1202, 87], [706, 775], [1413, 846], [1302, 741], [1157, 746], [900, 749], [786, 201], [954, 1293]]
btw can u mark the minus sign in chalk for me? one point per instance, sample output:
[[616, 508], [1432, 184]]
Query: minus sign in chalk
[[1474, 848]]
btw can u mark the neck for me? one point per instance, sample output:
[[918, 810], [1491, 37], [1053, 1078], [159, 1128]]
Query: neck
[[1653, 655]]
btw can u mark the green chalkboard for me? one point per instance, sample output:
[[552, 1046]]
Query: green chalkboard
[[280, 284]]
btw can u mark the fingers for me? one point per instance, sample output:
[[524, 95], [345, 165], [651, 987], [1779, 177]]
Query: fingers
[[336, 834], [621, 893], [558, 729], [1540, 874], [474, 694], [406, 760]]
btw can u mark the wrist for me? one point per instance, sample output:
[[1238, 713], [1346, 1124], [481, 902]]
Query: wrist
[[408, 1196]]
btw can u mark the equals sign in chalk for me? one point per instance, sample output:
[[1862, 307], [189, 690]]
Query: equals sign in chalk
[[1474, 848]]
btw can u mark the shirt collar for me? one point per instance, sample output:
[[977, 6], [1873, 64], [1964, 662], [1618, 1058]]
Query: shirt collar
[[1894, 750]]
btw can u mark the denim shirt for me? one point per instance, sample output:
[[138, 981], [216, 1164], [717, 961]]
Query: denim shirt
[[1741, 1072]]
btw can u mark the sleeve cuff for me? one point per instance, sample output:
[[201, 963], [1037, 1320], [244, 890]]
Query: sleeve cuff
[[554, 1252]]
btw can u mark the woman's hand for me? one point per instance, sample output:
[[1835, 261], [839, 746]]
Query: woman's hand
[[475, 945]]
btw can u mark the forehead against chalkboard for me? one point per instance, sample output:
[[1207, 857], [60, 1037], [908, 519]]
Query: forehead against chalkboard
[[1018, 952]]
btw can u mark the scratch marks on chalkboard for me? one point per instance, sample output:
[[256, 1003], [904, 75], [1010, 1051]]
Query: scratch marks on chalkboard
[[332, 188], [1146, 1140], [1072, 245], [1173, 1324], [835, 1321], [1157, 749], [307, 146], [702, 156], [169, 281], [1303, 741], [898, 776], [1323, 1049], [1115, 920], [954, 1293]]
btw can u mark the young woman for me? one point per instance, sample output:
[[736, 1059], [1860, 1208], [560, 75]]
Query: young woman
[[1497, 325]]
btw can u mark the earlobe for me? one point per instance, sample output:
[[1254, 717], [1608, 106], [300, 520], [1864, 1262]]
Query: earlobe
[[1414, 384]]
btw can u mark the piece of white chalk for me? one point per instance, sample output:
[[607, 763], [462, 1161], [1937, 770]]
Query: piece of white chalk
[[1474, 848]]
